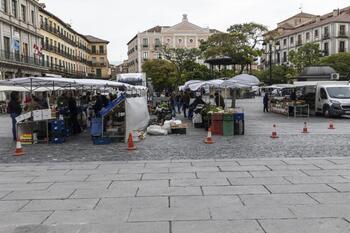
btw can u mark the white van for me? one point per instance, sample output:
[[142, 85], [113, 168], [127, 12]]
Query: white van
[[333, 100]]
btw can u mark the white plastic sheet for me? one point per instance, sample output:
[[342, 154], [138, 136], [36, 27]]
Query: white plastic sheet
[[137, 115]]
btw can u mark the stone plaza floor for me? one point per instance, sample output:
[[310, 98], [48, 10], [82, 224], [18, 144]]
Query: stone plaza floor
[[177, 184], [289, 195]]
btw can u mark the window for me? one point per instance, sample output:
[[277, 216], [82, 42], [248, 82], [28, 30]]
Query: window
[[157, 42], [102, 49], [180, 41], [308, 36], [47, 61], [93, 49], [316, 33], [326, 32], [342, 46], [300, 40], [145, 55], [145, 42], [7, 47], [323, 94], [278, 58], [342, 31], [191, 41], [285, 42], [292, 40], [326, 49], [23, 13], [14, 8], [41, 20], [284, 56], [4, 6]]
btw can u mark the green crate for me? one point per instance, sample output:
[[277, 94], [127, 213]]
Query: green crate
[[228, 128], [228, 117]]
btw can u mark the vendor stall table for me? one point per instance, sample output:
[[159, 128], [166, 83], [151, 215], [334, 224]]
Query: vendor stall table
[[299, 110], [28, 129]]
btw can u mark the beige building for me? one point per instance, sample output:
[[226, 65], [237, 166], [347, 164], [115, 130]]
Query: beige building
[[147, 45], [20, 39], [69, 53], [330, 31]]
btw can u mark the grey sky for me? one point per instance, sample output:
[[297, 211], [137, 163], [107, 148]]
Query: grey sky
[[118, 21]]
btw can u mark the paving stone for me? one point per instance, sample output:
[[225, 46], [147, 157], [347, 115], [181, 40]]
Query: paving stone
[[19, 187], [169, 191], [18, 219], [59, 179], [110, 177], [327, 172], [214, 175], [243, 168], [194, 169], [276, 173], [39, 194], [294, 167], [321, 211], [257, 181], [305, 161], [300, 188], [166, 165], [81, 185], [168, 214], [68, 204], [277, 199], [12, 180], [341, 187], [11, 206], [88, 217], [102, 193], [250, 162], [316, 180], [250, 213], [335, 166], [133, 202], [232, 190], [166, 176], [248, 226], [70, 166], [199, 182], [3, 194], [143, 170], [332, 198], [201, 163], [140, 183], [306, 226], [204, 201]]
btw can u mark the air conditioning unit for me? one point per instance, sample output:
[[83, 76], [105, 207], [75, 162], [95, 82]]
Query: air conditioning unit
[[335, 76]]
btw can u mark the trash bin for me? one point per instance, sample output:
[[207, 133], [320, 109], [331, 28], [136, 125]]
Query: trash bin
[[228, 125], [217, 124], [239, 126]]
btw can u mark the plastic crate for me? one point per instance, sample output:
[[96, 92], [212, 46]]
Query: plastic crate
[[57, 140], [217, 127]]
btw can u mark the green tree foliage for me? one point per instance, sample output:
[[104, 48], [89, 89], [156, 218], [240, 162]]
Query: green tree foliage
[[195, 71], [307, 55], [340, 62], [180, 57], [162, 74], [280, 74], [239, 43]]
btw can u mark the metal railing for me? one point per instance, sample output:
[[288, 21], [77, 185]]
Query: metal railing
[[21, 58]]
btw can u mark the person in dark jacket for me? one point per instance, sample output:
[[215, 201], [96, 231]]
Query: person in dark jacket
[[219, 100], [14, 109], [186, 98], [266, 103], [73, 113]]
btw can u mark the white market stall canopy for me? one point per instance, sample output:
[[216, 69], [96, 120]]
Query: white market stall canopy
[[59, 83], [237, 82]]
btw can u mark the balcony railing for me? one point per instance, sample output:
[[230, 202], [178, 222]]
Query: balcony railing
[[343, 35], [98, 52], [99, 64], [21, 58], [326, 36]]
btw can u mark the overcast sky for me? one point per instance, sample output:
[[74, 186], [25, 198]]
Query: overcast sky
[[119, 20]]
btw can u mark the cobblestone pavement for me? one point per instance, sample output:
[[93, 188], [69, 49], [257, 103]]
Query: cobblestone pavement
[[321, 142], [289, 195]]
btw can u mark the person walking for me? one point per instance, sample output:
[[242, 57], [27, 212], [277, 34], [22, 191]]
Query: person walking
[[172, 103], [186, 98], [14, 109], [178, 102], [266, 102]]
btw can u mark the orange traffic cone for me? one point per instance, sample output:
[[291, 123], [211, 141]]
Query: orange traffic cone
[[209, 139], [331, 125], [19, 150], [274, 133], [131, 145], [305, 129]]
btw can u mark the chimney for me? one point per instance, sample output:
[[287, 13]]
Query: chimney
[[335, 12], [184, 18], [318, 18]]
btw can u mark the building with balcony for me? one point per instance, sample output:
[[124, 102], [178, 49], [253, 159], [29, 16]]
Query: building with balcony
[[20, 39], [330, 31], [147, 45], [68, 53]]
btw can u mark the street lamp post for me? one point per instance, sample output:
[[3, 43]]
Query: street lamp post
[[271, 43]]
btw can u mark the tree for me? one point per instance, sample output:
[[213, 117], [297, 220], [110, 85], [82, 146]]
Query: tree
[[307, 55], [195, 71], [240, 43], [162, 74], [180, 57], [280, 74], [340, 62]]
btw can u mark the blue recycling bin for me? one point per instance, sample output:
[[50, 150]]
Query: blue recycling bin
[[239, 126], [96, 127]]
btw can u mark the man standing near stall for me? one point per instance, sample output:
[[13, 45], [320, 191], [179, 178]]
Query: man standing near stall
[[266, 102], [14, 109]]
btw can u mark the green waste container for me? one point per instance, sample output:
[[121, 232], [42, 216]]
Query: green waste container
[[228, 128]]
